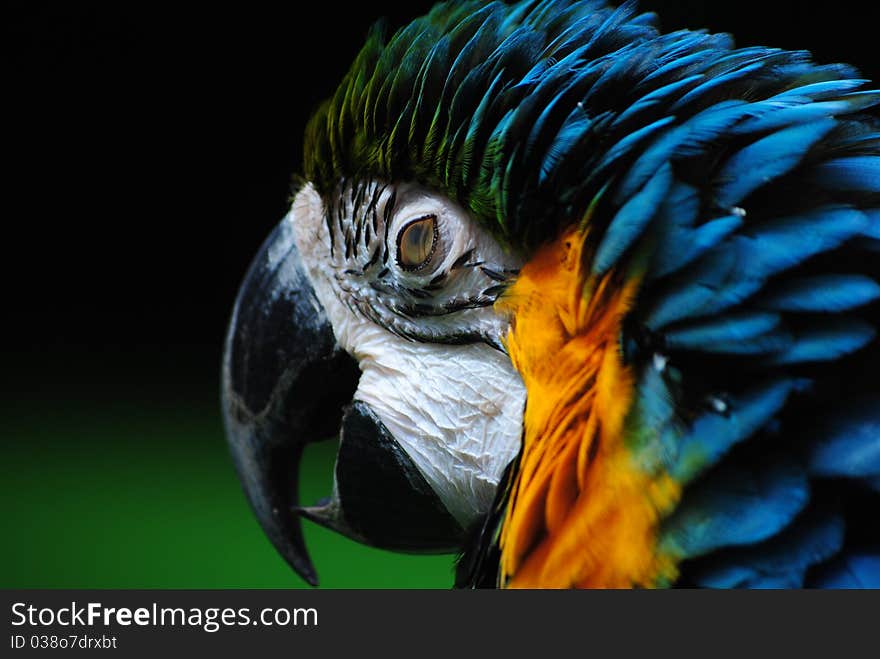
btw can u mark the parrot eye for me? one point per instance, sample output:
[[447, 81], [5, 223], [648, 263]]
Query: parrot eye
[[416, 243]]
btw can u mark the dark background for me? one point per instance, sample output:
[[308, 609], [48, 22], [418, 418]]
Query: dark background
[[148, 151]]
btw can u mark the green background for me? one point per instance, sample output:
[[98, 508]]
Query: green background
[[107, 490]]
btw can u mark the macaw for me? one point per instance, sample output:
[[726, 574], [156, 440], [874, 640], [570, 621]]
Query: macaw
[[590, 304]]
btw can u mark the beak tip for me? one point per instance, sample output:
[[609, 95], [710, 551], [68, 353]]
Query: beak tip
[[292, 549], [304, 570]]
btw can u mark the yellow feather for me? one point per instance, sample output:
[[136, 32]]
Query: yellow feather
[[581, 513]]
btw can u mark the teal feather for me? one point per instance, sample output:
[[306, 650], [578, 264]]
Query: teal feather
[[713, 434], [654, 430]]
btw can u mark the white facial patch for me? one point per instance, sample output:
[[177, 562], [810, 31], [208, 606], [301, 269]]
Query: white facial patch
[[455, 409]]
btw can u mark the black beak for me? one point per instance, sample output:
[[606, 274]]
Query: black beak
[[285, 383]]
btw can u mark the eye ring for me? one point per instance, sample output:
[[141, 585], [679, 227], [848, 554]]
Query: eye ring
[[414, 252]]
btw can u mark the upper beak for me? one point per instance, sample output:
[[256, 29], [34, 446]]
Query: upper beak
[[286, 383], [279, 346]]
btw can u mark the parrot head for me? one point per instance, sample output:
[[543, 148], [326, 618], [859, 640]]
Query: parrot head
[[369, 314], [553, 278]]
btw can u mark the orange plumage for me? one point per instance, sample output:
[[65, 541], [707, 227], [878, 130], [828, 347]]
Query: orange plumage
[[581, 512]]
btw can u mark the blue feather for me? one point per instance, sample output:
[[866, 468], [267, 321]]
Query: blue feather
[[572, 36], [782, 111], [788, 580], [685, 55], [819, 91], [722, 575], [711, 124], [709, 235], [738, 58], [567, 139], [735, 507], [621, 68], [855, 570], [714, 83], [767, 159], [614, 21], [542, 124], [679, 209], [826, 341], [713, 434], [862, 100], [738, 268], [765, 344], [872, 226], [785, 242], [777, 114], [629, 142], [860, 140], [732, 328], [656, 97], [822, 293], [681, 245], [631, 220], [654, 157], [799, 69], [685, 140], [856, 173], [780, 562], [849, 442], [697, 289], [677, 214]]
